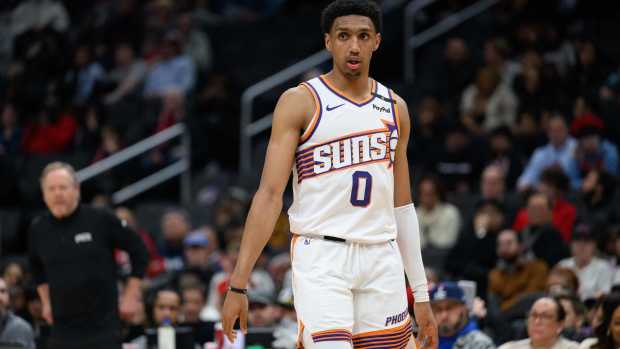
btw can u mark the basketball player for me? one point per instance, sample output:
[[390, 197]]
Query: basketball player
[[345, 137]]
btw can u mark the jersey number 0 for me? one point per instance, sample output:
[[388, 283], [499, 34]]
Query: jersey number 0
[[361, 198]]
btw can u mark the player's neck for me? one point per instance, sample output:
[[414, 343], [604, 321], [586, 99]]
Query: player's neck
[[356, 87]]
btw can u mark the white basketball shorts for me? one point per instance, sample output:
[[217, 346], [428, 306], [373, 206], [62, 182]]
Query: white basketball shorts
[[350, 292]]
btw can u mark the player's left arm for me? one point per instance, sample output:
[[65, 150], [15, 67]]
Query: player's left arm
[[408, 237]]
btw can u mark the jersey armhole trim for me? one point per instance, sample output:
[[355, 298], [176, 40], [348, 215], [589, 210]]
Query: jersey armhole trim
[[395, 113], [316, 117]]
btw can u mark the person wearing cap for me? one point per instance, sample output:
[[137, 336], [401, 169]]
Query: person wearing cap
[[593, 151], [197, 263], [545, 322], [595, 274], [456, 329]]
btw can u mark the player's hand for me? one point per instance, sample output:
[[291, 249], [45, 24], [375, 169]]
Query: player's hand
[[128, 306], [427, 326], [47, 313], [235, 307]]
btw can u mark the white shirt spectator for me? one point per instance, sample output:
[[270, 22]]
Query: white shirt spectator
[[594, 279], [440, 226], [501, 107], [39, 13]]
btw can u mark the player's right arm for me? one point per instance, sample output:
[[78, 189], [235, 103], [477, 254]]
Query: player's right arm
[[292, 113]]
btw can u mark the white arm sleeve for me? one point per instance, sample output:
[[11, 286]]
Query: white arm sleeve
[[408, 240]]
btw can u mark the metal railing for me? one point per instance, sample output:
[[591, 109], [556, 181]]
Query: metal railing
[[180, 167], [413, 41], [250, 128]]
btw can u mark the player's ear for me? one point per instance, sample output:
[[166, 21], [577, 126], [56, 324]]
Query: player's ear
[[377, 41], [328, 42]]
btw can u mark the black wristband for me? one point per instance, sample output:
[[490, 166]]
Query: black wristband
[[243, 291]]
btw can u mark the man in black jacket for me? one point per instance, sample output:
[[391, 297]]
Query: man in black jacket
[[71, 254]]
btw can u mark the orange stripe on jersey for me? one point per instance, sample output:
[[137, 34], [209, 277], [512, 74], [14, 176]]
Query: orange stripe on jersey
[[305, 152], [343, 95], [395, 111], [314, 121]]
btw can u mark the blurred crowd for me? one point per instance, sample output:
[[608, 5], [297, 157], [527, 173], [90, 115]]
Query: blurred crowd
[[514, 151]]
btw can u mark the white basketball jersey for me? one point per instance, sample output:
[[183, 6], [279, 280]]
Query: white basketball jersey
[[343, 180]]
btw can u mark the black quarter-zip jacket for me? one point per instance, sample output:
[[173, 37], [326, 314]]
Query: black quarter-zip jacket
[[75, 256]]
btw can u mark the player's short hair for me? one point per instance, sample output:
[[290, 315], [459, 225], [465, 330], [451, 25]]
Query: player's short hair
[[340, 8], [58, 165]]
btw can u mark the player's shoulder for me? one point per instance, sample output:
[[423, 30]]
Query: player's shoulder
[[294, 104], [297, 94]]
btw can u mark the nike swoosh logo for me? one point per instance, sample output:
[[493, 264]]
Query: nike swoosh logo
[[332, 108]]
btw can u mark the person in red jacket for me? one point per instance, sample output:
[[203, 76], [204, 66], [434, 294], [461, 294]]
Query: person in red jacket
[[554, 184], [48, 134]]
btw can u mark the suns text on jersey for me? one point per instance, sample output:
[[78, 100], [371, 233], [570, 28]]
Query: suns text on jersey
[[348, 151]]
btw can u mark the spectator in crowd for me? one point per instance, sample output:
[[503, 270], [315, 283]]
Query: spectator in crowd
[[488, 104], [454, 164], [175, 227], [156, 262], [504, 155], [595, 274], [539, 236], [165, 310], [516, 274], [429, 123], [13, 274], [13, 329], [607, 333], [588, 75], [174, 71], [556, 153], [555, 185], [36, 14], [534, 95], [465, 261], [193, 302], [10, 131], [597, 204], [86, 74], [50, 132], [193, 297], [562, 282], [496, 57], [575, 328], [263, 311], [198, 257], [127, 75], [454, 73], [544, 327], [439, 221], [196, 42], [493, 186], [593, 151], [455, 328], [166, 307]]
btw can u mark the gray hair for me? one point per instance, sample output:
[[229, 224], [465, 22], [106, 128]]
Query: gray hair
[[59, 165]]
